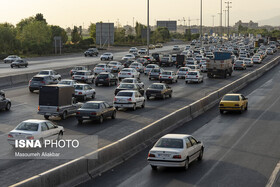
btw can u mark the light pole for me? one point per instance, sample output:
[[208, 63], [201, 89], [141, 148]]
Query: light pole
[[221, 19], [225, 11], [201, 21], [148, 29], [228, 7], [213, 16]]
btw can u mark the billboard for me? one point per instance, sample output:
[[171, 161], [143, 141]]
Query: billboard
[[170, 25], [104, 33]]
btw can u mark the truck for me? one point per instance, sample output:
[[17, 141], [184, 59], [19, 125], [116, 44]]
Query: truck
[[220, 65], [180, 61], [57, 100]]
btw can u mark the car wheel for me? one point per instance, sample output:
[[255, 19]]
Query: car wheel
[[60, 135], [64, 115], [186, 164], [93, 96], [59, 79], [101, 119], [148, 98], [12, 66], [114, 115], [200, 155], [80, 121], [46, 117], [246, 108], [221, 112], [170, 95], [154, 167], [160, 81], [134, 107], [187, 82], [96, 84], [26, 66], [143, 105], [176, 80], [8, 106]]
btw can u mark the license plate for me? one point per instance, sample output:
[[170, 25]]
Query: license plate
[[48, 114], [164, 155], [101, 79], [20, 136], [153, 94], [86, 117]]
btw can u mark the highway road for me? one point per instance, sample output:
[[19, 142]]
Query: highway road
[[240, 149], [24, 106]]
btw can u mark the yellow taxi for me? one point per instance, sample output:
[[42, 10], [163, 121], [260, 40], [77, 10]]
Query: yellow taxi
[[233, 102]]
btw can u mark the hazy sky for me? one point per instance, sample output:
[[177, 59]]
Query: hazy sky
[[67, 13]]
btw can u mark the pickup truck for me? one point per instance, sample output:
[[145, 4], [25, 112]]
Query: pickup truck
[[57, 100]]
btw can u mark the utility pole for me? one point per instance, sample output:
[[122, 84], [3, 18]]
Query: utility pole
[[221, 19], [225, 11], [148, 29], [201, 34], [213, 16], [228, 7]]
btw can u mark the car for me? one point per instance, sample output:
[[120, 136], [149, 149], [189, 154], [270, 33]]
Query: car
[[168, 76], [156, 57], [106, 78], [166, 61], [249, 62], [194, 76], [133, 50], [203, 66], [115, 66], [159, 45], [149, 67], [193, 67], [155, 73], [91, 52], [77, 68], [133, 80], [51, 73], [182, 72], [136, 54], [38, 81], [127, 63], [130, 86], [101, 68], [128, 57], [129, 99], [257, 60], [84, 91], [19, 63], [269, 51], [233, 102], [84, 76], [138, 66], [158, 90], [35, 129], [151, 46], [188, 47], [95, 110], [107, 56], [176, 48], [142, 61], [5, 103], [239, 64], [191, 61], [175, 150], [142, 51], [128, 73], [69, 82], [150, 59], [174, 58], [11, 58]]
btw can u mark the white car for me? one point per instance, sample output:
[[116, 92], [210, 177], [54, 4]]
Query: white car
[[194, 76], [133, 50], [133, 80], [84, 91], [68, 82], [191, 61], [84, 76], [142, 51], [168, 76], [175, 150], [107, 56], [129, 99], [128, 73], [176, 48], [149, 67], [188, 47], [115, 66], [269, 51], [101, 68], [249, 62], [193, 67], [77, 68], [128, 57], [51, 73], [257, 60], [11, 58], [203, 66], [138, 66], [182, 72], [34, 129]]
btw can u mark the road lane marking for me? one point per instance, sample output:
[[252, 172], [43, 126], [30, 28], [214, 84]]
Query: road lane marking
[[19, 104], [274, 176], [235, 144]]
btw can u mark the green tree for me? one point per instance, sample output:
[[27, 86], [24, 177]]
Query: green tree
[[138, 29], [75, 34], [40, 17], [58, 31], [8, 40]]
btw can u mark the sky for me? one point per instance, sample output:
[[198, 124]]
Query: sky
[[67, 13]]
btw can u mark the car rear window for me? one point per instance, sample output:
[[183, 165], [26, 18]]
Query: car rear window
[[37, 79], [78, 68], [91, 106], [155, 70], [192, 73], [149, 66], [65, 82], [26, 126], [78, 87], [127, 80], [80, 73], [129, 86], [166, 73], [102, 76], [125, 94], [43, 73], [156, 86], [170, 143], [231, 98]]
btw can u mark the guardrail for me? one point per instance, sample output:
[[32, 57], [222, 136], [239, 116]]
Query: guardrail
[[84, 168]]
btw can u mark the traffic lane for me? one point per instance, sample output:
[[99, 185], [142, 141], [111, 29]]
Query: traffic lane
[[240, 150], [66, 62], [126, 122]]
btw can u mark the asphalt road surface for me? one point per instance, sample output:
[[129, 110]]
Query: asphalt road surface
[[241, 150]]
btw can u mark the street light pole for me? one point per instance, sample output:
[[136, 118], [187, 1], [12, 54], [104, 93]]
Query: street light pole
[[228, 7], [221, 19], [148, 29], [201, 21]]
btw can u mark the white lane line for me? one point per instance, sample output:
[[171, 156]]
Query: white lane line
[[236, 143], [19, 104], [274, 176]]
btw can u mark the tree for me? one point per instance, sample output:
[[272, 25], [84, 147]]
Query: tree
[[92, 31], [24, 22], [138, 29], [75, 34], [58, 31], [8, 40], [40, 17]]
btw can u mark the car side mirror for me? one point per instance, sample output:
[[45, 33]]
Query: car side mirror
[[55, 126], [198, 142]]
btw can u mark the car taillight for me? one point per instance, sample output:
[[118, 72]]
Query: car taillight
[[169, 77], [80, 93], [83, 77], [177, 156], [93, 113], [30, 137], [78, 113], [72, 77], [129, 73], [129, 99], [57, 109], [10, 136], [103, 69], [43, 82], [38, 108], [151, 155], [196, 76], [107, 79], [236, 105], [115, 99], [159, 76]]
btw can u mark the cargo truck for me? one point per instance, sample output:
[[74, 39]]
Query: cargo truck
[[57, 100], [220, 66]]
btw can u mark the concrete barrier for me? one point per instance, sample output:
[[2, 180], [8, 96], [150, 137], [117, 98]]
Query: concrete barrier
[[119, 151], [5, 81], [18, 79]]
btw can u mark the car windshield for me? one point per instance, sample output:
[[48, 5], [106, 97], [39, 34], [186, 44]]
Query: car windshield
[[106, 54], [155, 70], [43, 72], [129, 86], [78, 87], [127, 80], [128, 55], [113, 63], [27, 126], [65, 82], [102, 76], [183, 69], [126, 70], [80, 73], [170, 143], [166, 73], [78, 68], [100, 66], [149, 66], [156, 86], [239, 62], [91, 106], [125, 94], [231, 98]]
